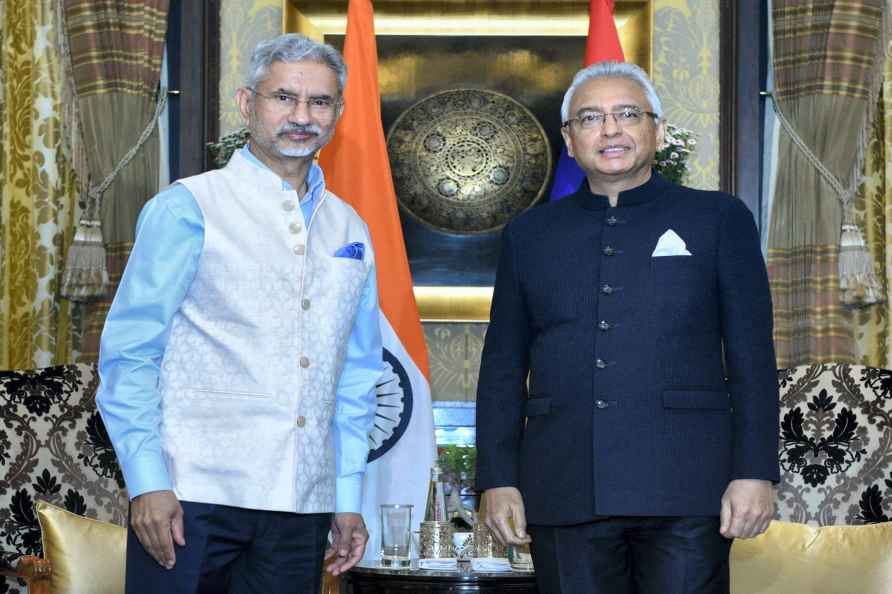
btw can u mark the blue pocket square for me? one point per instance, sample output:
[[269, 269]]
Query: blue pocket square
[[355, 250]]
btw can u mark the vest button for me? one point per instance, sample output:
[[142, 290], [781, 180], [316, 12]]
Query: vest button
[[600, 363], [603, 326], [295, 228], [606, 289], [301, 421], [299, 249], [601, 404], [611, 220], [304, 362], [288, 205], [608, 251], [305, 304]]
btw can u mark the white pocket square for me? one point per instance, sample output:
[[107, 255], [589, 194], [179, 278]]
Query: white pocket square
[[670, 244]]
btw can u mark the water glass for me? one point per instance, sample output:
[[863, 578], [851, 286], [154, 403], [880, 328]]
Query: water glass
[[396, 534]]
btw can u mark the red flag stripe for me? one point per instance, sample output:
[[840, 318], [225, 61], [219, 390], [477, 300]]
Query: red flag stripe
[[603, 40]]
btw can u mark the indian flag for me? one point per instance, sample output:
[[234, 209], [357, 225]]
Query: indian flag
[[401, 443]]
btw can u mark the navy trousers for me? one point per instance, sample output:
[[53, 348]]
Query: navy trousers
[[632, 555], [231, 550]]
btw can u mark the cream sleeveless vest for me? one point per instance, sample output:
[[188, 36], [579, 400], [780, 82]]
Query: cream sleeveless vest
[[254, 354]]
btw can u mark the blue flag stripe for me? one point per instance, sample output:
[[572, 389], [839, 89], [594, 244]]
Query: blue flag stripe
[[567, 177]]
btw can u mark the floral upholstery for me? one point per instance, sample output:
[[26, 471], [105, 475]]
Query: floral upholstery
[[836, 445], [53, 446]]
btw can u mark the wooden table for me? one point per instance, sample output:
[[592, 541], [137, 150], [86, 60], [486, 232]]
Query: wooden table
[[379, 580]]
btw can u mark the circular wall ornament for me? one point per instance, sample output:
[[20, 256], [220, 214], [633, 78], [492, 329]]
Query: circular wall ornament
[[468, 160]]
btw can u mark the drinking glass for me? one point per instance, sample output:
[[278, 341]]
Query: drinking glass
[[396, 534]]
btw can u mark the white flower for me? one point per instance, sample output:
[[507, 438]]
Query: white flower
[[673, 155]]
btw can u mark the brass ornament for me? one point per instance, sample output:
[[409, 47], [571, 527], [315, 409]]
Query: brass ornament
[[468, 160]]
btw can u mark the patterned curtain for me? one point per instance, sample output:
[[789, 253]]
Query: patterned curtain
[[827, 63], [116, 48], [874, 210], [37, 189]]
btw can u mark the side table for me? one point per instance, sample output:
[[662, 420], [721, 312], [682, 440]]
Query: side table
[[379, 580]]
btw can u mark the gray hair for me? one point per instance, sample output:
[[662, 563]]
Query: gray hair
[[291, 48], [612, 70]]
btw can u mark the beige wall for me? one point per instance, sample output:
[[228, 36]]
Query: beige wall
[[686, 73], [685, 70]]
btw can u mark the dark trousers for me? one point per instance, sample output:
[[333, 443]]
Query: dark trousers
[[632, 555], [230, 550]]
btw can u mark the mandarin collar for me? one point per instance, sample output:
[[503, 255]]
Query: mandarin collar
[[646, 192], [315, 177]]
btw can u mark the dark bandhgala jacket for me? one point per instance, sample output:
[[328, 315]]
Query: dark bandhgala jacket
[[614, 382]]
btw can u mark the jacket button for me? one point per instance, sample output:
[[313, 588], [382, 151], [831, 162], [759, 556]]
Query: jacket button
[[299, 249], [601, 404], [600, 363], [603, 326], [608, 251], [294, 228], [606, 289], [301, 421], [304, 362], [288, 205], [611, 220], [305, 304]]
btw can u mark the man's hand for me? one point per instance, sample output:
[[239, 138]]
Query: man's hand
[[348, 538], [157, 519], [503, 503], [747, 508]]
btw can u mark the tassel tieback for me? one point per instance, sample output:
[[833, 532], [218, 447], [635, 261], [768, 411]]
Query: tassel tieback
[[86, 272], [86, 275], [857, 280]]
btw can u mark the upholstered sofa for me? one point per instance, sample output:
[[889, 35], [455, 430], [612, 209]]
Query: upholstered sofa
[[54, 447], [836, 445], [835, 496]]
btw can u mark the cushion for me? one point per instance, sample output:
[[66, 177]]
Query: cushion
[[836, 444], [796, 558], [87, 556]]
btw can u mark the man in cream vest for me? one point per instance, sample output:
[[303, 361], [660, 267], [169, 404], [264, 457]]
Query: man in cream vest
[[239, 358]]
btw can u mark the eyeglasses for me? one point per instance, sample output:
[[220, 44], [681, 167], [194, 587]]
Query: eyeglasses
[[319, 107], [624, 118]]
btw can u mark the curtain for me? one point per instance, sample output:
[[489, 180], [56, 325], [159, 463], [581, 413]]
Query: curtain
[[37, 189], [874, 210], [827, 62], [116, 48]]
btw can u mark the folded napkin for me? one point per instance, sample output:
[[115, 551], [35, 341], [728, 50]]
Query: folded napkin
[[670, 244], [355, 250], [487, 564], [449, 564]]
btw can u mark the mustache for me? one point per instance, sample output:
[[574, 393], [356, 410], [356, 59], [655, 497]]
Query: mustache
[[300, 129]]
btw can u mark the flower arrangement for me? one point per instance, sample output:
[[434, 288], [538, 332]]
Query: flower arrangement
[[457, 462], [222, 149], [672, 159]]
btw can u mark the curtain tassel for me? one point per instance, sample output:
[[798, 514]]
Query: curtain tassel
[[85, 277], [857, 280]]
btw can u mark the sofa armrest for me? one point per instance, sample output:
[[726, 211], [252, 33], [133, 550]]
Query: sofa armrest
[[34, 571]]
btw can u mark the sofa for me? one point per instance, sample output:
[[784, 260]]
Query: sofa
[[53, 447]]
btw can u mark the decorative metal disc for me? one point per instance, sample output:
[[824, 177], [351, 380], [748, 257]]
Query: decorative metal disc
[[468, 160]]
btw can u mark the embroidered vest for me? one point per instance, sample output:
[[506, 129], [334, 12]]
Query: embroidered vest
[[255, 351]]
